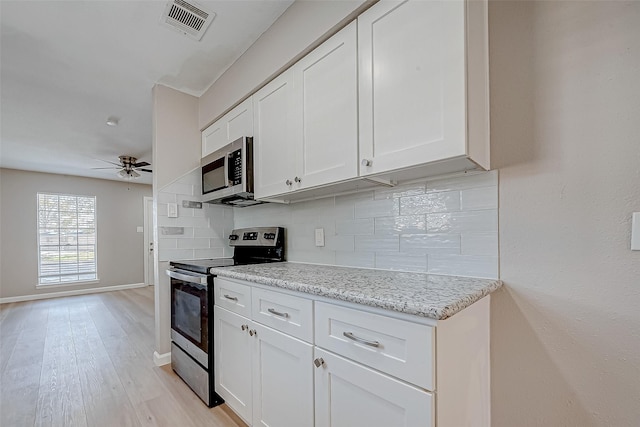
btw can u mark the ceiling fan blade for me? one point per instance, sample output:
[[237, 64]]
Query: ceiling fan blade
[[144, 170], [111, 163], [111, 167], [140, 164]]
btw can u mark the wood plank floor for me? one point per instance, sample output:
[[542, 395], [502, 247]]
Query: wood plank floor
[[88, 361]]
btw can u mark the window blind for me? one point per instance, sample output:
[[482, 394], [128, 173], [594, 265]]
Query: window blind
[[67, 238]]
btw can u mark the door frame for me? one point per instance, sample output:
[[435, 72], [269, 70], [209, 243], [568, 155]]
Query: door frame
[[147, 235]]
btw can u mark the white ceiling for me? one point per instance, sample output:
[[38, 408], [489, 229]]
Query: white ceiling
[[68, 65]]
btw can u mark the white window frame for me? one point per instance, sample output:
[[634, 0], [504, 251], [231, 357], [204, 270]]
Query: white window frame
[[60, 282]]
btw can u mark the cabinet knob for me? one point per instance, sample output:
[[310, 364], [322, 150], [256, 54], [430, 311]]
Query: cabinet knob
[[288, 182], [253, 332], [318, 362], [296, 179], [366, 162], [244, 327]]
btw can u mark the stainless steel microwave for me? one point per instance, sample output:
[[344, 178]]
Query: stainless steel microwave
[[227, 174]]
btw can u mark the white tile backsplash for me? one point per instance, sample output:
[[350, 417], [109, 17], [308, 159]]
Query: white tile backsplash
[[401, 224], [485, 244], [402, 262], [464, 221], [463, 182], [377, 243], [443, 226], [479, 198], [376, 208], [356, 259], [430, 243], [399, 191], [354, 226], [464, 265], [203, 231], [443, 201]]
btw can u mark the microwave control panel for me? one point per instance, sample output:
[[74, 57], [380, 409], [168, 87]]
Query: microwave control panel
[[235, 168]]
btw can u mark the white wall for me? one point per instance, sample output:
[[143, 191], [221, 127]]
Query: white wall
[[176, 150], [119, 212], [565, 114], [300, 28], [176, 143], [443, 226]]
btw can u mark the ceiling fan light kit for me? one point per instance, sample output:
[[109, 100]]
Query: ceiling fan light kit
[[129, 167]]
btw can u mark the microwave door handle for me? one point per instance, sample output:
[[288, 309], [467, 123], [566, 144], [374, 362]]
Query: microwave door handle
[[226, 169]]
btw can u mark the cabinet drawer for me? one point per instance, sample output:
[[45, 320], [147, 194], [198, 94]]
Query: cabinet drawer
[[286, 313], [233, 296], [400, 348]]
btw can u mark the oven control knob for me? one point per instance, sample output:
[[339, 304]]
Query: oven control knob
[[233, 237]]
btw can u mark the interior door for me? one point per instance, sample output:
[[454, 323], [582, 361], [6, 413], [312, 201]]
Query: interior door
[[149, 265]]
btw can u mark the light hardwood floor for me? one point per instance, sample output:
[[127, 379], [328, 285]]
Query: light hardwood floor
[[88, 361]]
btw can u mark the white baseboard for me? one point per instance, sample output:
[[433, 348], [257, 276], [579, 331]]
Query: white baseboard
[[161, 359], [71, 293]]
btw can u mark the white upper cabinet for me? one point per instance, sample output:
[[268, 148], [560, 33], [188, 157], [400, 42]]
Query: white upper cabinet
[[274, 145], [413, 95], [326, 89], [235, 124], [306, 120]]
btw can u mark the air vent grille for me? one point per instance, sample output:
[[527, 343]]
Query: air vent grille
[[189, 19]]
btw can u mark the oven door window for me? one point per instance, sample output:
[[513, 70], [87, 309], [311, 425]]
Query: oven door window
[[189, 314], [213, 176]]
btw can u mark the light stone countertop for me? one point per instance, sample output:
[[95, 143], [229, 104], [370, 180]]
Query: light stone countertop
[[420, 294]]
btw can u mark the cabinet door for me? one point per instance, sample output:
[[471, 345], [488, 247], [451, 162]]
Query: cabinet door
[[282, 380], [349, 394], [239, 121], [214, 137], [273, 140], [326, 89], [233, 361], [412, 83]]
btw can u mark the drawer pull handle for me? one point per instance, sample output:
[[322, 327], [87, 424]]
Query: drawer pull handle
[[362, 340], [277, 313], [231, 298]]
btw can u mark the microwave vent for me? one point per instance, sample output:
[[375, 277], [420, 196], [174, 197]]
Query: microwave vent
[[187, 17]]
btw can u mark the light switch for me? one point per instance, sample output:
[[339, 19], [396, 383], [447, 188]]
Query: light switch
[[140, 229], [635, 231], [172, 210], [319, 236]]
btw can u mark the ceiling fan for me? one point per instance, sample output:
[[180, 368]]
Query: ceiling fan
[[128, 167]]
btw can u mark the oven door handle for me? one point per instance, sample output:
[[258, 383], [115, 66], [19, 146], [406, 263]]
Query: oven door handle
[[199, 279]]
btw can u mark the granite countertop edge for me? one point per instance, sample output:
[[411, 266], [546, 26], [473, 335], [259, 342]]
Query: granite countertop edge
[[403, 305]]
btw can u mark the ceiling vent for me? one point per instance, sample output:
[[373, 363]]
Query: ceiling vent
[[187, 17]]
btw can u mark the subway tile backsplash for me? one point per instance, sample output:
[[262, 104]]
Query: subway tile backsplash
[[195, 233], [442, 226]]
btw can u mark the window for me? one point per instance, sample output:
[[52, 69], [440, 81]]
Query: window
[[66, 239]]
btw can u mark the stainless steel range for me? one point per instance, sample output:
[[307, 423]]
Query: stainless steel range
[[192, 339]]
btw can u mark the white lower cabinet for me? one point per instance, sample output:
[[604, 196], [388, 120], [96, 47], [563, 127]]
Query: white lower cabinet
[[348, 365], [265, 376], [232, 365], [350, 395], [282, 380]]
